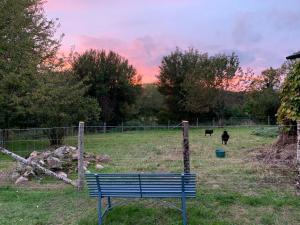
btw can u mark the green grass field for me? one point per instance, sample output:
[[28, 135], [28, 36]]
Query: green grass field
[[233, 190]]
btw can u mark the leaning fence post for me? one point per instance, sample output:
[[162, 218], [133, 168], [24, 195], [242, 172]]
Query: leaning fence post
[[80, 156], [186, 148]]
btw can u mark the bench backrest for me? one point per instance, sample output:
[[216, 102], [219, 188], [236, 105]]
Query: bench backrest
[[141, 185]]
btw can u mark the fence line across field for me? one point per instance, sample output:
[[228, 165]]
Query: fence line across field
[[37, 139], [32, 134]]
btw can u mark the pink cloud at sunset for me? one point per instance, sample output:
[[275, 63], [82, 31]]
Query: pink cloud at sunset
[[144, 53], [261, 33]]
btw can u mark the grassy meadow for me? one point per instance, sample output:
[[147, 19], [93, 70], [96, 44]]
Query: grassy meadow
[[233, 190]]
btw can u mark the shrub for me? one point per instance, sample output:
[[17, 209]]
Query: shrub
[[266, 132]]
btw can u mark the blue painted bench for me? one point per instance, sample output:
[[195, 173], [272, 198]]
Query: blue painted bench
[[141, 185]]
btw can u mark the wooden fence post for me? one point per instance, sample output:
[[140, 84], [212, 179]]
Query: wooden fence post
[[104, 127], [1, 138], [80, 156], [298, 144], [186, 148]]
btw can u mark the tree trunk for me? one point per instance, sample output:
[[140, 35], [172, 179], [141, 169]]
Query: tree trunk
[[288, 133], [56, 136]]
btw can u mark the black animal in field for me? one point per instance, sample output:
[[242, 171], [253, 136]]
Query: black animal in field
[[225, 137], [210, 132]]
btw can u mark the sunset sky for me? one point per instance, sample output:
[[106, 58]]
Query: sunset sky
[[261, 32]]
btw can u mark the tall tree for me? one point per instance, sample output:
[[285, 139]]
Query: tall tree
[[193, 83], [263, 95], [59, 101], [27, 47], [111, 80]]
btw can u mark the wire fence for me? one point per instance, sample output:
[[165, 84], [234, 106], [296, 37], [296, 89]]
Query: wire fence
[[155, 148], [150, 147]]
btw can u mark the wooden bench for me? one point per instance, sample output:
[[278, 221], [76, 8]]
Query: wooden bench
[[141, 185]]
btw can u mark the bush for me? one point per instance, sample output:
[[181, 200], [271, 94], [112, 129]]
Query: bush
[[266, 132]]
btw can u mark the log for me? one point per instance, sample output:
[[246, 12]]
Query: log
[[37, 166]]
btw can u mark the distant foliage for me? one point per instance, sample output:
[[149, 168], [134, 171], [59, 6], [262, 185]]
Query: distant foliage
[[111, 80], [32, 91], [59, 101], [150, 104], [266, 132], [194, 83], [263, 95]]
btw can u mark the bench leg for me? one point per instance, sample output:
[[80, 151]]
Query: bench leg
[[99, 211], [109, 203], [183, 209]]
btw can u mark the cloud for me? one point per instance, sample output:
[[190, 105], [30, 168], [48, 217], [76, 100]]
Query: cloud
[[65, 5], [244, 30], [261, 33], [285, 19], [245, 56], [145, 53]]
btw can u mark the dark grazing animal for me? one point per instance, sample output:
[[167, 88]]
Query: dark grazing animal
[[225, 137], [210, 132]]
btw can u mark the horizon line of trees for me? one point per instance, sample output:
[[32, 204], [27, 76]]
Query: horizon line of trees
[[38, 90]]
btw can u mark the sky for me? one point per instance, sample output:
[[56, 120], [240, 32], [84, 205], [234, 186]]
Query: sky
[[261, 32]]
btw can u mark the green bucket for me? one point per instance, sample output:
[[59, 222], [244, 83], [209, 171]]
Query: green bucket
[[220, 153]]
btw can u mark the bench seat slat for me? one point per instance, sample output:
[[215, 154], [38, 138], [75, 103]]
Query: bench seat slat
[[146, 185], [142, 174], [142, 188]]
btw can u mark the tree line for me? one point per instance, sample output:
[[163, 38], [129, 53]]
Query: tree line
[[40, 89]]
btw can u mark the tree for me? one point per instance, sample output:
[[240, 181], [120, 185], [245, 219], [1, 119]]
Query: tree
[[261, 104], [111, 80], [174, 69], [289, 110], [27, 47], [150, 103], [263, 95], [194, 83], [31, 92], [59, 101]]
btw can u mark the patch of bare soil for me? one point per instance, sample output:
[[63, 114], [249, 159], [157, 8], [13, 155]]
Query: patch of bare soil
[[5, 174], [276, 155], [281, 156], [3, 178]]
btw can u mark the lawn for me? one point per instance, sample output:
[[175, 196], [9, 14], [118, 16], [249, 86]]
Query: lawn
[[233, 190]]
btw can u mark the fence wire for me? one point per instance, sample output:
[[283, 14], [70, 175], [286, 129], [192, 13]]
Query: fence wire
[[158, 149]]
